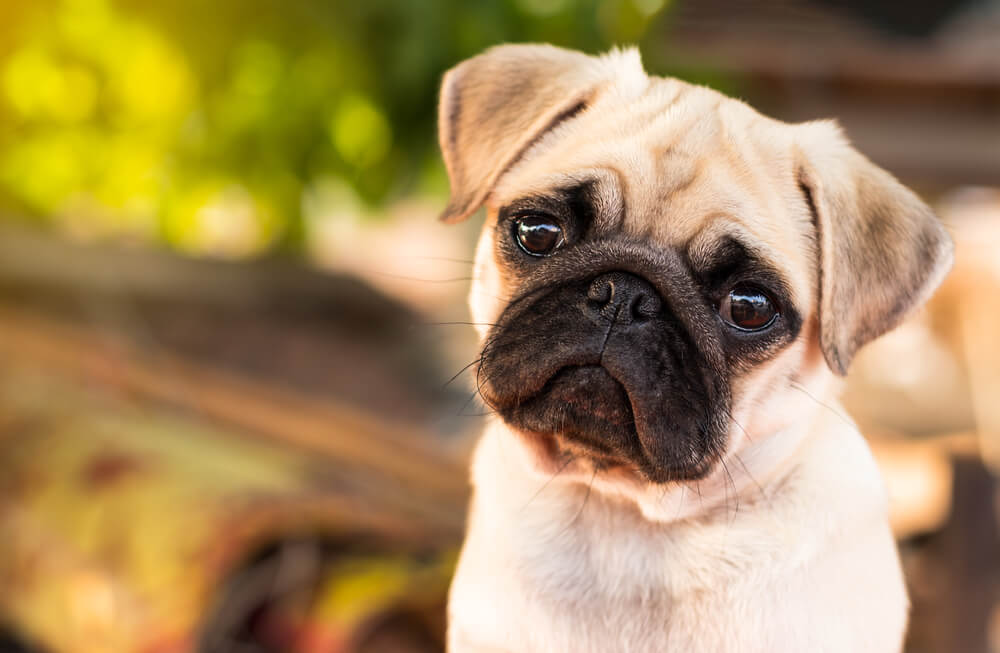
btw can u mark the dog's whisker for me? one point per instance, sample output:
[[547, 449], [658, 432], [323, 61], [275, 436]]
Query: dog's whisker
[[458, 323], [439, 258], [680, 501], [404, 277], [760, 488], [546, 484], [586, 498], [842, 417], [736, 493], [479, 387], [458, 373], [746, 433], [461, 411], [746, 470], [479, 292]]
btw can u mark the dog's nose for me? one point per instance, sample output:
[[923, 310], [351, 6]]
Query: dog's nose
[[623, 298]]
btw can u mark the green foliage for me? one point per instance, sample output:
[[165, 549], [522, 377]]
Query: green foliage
[[205, 124]]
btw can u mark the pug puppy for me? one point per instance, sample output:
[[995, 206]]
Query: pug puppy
[[667, 286]]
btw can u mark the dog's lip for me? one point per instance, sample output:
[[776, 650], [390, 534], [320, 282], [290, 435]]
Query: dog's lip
[[558, 453], [558, 449], [520, 400]]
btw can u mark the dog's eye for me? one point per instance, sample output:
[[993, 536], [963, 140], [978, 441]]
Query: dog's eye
[[537, 235], [748, 308]]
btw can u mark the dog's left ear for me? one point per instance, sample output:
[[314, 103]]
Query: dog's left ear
[[882, 251], [495, 106]]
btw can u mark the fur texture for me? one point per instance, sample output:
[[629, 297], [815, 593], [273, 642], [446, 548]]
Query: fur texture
[[656, 479]]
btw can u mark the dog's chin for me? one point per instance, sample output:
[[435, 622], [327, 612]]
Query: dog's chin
[[582, 422], [576, 405]]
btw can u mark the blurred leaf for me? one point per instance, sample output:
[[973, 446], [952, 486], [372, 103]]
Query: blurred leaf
[[360, 131], [202, 126]]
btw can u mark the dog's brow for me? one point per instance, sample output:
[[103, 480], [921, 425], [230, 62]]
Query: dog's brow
[[703, 255], [729, 255], [573, 202], [580, 201], [729, 251]]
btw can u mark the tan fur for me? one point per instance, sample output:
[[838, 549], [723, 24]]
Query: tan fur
[[489, 124], [785, 545]]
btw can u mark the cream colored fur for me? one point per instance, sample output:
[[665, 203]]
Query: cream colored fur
[[785, 546]]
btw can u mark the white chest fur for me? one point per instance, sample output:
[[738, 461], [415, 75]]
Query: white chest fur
[[806, 563]]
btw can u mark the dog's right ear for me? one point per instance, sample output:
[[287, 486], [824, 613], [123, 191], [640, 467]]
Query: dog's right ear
[[493, 107]]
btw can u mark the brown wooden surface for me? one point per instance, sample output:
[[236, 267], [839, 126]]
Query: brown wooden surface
[[927, 108]]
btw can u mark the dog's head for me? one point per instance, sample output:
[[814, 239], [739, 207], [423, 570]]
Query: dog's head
[[663, 271]]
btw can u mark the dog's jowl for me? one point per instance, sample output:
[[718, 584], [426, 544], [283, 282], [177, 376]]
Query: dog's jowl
[[669, 286]]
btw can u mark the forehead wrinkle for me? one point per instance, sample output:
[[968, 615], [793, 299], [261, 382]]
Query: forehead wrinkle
[[697, 197], [749, 163], [677, 171], [647, 205], [612, 188], [609, 123], [611, 133], [683, 152]]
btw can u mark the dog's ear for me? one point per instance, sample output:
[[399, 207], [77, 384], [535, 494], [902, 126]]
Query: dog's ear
[[882, 251], [493, 107]]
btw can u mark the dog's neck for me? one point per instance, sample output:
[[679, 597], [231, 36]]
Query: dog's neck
[[570, 545], [529, 519], [736, 483]]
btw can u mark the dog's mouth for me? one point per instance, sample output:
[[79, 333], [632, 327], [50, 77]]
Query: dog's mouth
[[582, 411], [638, 396]]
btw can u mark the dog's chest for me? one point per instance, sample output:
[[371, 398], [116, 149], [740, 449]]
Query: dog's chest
[[554, 570], [577, 601], [599, 583]]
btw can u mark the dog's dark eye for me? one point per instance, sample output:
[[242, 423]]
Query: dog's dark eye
[[537, 235], [748, 308]]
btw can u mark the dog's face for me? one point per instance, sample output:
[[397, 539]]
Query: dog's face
[[664, 273]]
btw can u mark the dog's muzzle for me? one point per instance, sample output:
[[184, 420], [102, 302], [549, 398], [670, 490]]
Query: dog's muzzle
[[605, 366]]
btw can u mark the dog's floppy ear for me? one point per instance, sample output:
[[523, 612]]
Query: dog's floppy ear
[[493, 107], [881, 250]]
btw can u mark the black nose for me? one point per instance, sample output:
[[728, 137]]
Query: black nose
[[623, 298]]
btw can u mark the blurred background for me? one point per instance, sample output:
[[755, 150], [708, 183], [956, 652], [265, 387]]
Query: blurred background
[[234, 412]]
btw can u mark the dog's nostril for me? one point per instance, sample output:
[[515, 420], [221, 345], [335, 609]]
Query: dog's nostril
[[623, 297], [645, 306], [602, 291]]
